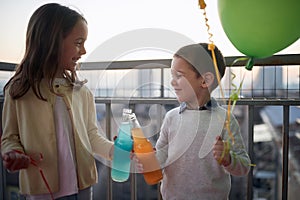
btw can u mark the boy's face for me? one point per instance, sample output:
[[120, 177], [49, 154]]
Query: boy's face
[[185, 82]]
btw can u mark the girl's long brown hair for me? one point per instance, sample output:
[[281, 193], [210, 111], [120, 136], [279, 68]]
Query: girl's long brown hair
[[47, 28]]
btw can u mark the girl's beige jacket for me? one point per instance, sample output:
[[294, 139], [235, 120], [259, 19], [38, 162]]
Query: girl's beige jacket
[[28, 126]]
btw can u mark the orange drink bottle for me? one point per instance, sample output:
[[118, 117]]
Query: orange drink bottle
[[145, 153]]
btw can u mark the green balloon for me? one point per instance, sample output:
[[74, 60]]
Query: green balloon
[[260, 28]]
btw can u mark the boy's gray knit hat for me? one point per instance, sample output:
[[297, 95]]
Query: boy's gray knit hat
[[198, 57]]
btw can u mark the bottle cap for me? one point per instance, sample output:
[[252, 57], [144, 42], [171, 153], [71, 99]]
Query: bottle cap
[[126, 114]]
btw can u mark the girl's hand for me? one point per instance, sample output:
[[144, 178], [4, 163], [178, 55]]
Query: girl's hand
[[14, 161], [221, 154]]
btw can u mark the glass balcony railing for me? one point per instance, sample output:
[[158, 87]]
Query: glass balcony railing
[[268, 112]]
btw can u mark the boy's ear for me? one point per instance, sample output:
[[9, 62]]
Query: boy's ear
[[208, 79]]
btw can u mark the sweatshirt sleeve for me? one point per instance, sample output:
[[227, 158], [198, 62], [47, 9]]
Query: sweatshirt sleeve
[[240, 161]]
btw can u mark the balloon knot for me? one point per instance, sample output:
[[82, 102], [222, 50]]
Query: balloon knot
[[249, 64]]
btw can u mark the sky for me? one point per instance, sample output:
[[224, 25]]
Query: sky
[[124, 29]]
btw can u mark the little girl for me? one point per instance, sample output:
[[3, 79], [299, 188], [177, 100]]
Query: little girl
[[49, 118]]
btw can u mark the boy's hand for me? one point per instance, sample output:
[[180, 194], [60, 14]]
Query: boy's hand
[[218, 149], [139, 168], [14, 161]]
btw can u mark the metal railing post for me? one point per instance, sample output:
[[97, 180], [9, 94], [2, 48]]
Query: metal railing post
[[2, 170], [250, 151], [108, 135], [285, 150]]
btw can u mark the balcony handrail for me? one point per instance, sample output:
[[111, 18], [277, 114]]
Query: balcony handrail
[[284, 59]]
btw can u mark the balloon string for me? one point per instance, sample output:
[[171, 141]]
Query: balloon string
[[211, 47], [202, 7], [34, 162], [227, 122]]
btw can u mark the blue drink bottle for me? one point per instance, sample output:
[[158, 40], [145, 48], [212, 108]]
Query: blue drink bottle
[[123, 145]]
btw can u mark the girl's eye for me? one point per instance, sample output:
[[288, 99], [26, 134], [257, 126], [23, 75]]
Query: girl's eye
[[78, 44]]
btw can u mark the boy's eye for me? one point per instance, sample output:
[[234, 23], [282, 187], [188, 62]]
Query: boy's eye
[[176, 75]]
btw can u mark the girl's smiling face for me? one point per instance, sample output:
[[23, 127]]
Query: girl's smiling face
[[186, 83], [73, 46]]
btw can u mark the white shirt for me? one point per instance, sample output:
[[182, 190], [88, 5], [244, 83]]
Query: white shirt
[[65, 145]]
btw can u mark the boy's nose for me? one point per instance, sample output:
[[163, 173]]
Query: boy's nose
[[172, 81]]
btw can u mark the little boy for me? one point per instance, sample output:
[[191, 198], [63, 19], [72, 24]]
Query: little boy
[[191, 147]]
